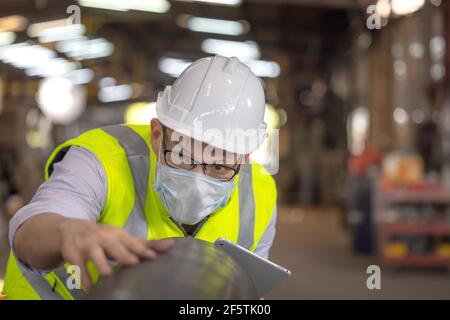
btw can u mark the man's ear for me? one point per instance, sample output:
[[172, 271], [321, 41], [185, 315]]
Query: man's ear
[[247, 158], [156, 132]]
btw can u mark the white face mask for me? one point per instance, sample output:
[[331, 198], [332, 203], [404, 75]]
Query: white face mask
[[190, 196]]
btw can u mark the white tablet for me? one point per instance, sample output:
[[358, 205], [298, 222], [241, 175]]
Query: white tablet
[[265, 274]]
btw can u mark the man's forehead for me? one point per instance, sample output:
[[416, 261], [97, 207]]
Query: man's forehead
[[198, 150]]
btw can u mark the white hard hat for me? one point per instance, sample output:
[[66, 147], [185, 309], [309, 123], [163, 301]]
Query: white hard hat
[[218, 101]]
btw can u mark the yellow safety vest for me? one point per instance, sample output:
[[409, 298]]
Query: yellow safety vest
[[129, 163]]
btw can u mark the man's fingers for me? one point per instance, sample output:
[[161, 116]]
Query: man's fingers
[[119, 252], [98, 257], [139, 248]]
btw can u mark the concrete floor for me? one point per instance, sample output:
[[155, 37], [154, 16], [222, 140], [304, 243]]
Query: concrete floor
[[315, 247]]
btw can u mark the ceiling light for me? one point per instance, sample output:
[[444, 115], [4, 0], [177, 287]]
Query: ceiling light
[[107, 82], [207, 25], [261, 68], [405, 7], [81, 76], [23, 55], [217, 2], [52, 68], [159, 6], [71, 31], [243, 50], [115, 93], [83, 48], [173, 67]]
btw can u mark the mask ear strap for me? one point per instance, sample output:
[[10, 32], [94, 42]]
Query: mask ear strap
[[160, 151]]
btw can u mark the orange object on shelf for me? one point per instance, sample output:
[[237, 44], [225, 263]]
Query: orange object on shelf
[[443, 250], [402, 169], [395, 250]]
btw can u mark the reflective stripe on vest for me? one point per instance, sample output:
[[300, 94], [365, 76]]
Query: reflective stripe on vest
[[138, 154], [63, 275], [39, 284], [246, 207]]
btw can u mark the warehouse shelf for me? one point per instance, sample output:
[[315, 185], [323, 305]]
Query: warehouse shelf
[[413, 225], [429, 260], [431, 194], [417, 228]]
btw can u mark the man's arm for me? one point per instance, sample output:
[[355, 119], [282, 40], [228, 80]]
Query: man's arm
[[59, 224], [44, 254], [76, 189]]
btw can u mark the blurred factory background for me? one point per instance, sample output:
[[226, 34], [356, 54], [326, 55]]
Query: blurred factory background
[[358, 90]]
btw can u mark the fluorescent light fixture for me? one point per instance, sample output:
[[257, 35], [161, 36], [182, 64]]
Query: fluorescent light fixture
[[405, 7], [103, 4], [7, 37], [52, 68], [159, 6], [6, 51], [243, 50], [217, 2], [173, 67], [81, 76], [83, 48], [13, 23], [115, 93], [28, 57], [261, 68], [37, 60], [107, 82], [71, 44], [23, 55], [207, 25], [71, 31]]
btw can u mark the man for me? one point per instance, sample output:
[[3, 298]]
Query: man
[[119, 192]]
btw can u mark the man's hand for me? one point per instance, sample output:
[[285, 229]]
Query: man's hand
[[47, 240], [83, 240]]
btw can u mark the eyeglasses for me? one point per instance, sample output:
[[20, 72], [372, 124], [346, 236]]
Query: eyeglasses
[[177, 160]]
